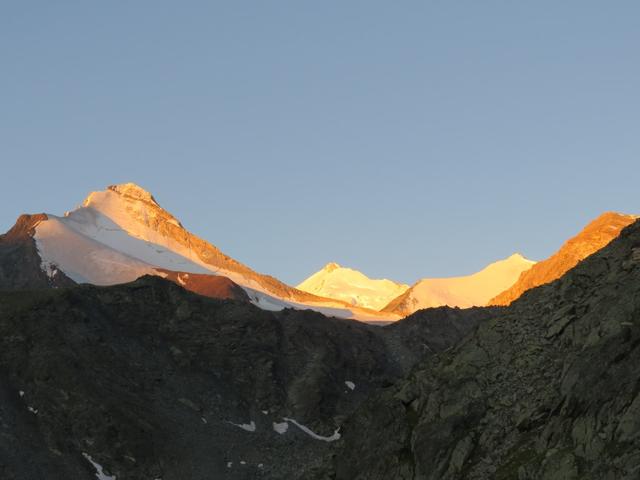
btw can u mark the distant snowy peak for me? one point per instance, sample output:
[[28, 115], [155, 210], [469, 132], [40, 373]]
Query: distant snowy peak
[[467, 291], [352, 286]]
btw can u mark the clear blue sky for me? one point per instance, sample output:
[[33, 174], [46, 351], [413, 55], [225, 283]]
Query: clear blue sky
[[405, 139]]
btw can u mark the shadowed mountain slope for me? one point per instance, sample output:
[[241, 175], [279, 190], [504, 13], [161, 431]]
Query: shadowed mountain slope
[[546, 389], [152, 381]]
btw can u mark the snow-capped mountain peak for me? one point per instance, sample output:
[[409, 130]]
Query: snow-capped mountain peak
[[121, 233], [352, 286]]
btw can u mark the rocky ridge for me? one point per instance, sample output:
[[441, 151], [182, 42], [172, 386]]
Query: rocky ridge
[[596, 235]]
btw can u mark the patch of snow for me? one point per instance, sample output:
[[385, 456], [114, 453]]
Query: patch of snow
[[281, 428], [204, 420], [181, 280], [350, 385], [21, 393], [249, 427], [312, 434], [229, 464], [264, 412], [242, 462], [100, 475], [260, 465], [49, 268], [33, 410]]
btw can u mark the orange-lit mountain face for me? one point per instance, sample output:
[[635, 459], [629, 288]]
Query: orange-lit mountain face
[[122, 233], [595, 236]]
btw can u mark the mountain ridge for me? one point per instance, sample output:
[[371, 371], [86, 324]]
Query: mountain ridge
[[593, 237]]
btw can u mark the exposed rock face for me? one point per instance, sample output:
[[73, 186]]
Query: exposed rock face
[[152, 381], [592, 238], [20, 264], [546, 389], [213, 286]]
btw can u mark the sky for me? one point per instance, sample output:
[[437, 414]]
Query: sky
[[404, 139]]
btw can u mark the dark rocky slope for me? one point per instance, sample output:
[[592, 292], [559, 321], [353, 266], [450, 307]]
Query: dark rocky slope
[[149, 379], [547, 389]]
